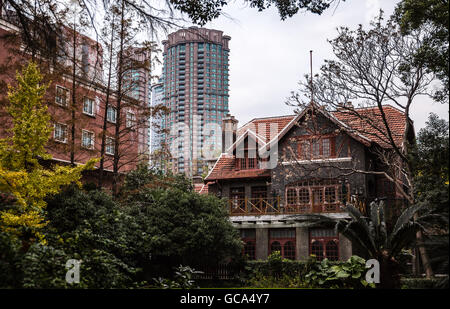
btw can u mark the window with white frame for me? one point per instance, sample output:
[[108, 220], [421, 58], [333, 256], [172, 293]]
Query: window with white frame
[[88, 106], [109, 146], [87, 139], [60, 132], [111, 114], [131, 120], [62, 96]]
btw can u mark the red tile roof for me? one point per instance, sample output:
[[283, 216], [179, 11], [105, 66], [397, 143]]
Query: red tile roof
[[365, 127], [201, 188], [369, 122], [261, 126], [225, 169]]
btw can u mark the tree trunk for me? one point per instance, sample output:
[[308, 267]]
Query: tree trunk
[[389, 273], [424, 256]]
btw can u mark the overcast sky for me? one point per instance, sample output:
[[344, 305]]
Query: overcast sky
[[269, 56]]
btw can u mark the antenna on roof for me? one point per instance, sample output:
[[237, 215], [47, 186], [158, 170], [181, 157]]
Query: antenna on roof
[[311, 77]]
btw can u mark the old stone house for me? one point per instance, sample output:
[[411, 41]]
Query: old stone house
[[273, 169]]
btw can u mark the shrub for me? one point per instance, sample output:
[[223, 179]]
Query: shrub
[[348, 274], [276, 272]]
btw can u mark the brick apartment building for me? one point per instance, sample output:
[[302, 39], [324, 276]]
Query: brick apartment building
[[89, 95], [309, 172]]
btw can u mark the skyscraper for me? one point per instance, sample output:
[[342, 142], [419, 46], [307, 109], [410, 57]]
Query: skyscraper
[[195, 79], [157, 94]]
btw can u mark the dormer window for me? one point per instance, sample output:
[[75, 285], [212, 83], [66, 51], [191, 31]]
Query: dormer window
[[316, 148], [247, 163]]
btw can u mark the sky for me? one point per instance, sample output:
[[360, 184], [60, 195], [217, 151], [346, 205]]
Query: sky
[[268, 57]]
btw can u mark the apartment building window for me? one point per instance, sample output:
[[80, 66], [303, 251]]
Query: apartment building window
[[111, 114], [60, 133], [316, 148], [109, 146], [324, 243], [130, 119], [62, 96], [88, 106], [87, 139]]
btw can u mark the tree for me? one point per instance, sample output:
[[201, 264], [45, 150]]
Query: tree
[[126, 113], [431, 178], [21, 174], [433, 15], [46, 13], [177, 225], [375, 67]]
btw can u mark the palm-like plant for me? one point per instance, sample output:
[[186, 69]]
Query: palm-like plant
[[370, 235]]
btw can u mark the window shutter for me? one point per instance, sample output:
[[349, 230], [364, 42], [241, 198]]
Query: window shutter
[[333, 146], [299, 149]]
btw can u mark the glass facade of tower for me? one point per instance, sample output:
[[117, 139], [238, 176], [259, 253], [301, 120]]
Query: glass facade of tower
[[195, 79]]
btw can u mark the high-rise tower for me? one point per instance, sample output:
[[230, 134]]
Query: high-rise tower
[[195, 79]]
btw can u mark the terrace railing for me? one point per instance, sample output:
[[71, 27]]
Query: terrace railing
[[272, 206], [254, 206]]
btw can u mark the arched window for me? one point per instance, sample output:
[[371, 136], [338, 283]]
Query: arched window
[[275, 246], [331, 249], [317, 249], [289, 250], [250, 250], [324, 243]]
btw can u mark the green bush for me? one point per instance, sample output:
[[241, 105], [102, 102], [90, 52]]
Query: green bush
[[419, 283], [348, 274], [276, 272]]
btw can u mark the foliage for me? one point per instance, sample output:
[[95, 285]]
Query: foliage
[[434, 15], [275, 266], [9, 259], [203, 11], [176, 225], [431, 159], [370, 236], [349, 274], [419, 283], [431, 177], [276, 272], [21, 175], [86, 226], [91, 227]]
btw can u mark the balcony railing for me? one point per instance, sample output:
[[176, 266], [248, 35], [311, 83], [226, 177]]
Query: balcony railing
[[271, 206], [254, 206]]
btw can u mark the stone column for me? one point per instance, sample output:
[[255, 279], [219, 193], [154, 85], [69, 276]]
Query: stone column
[[302, 243], [262, 243], [345, 248]]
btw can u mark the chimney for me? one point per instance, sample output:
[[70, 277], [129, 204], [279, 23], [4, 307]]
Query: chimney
[[197, 180], [229, 129], [345, 106]]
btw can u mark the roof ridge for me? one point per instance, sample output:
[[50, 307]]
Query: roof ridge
[[269, 117]]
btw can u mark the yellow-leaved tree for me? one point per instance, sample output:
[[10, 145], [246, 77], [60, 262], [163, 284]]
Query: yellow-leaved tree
[[21, 175]]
